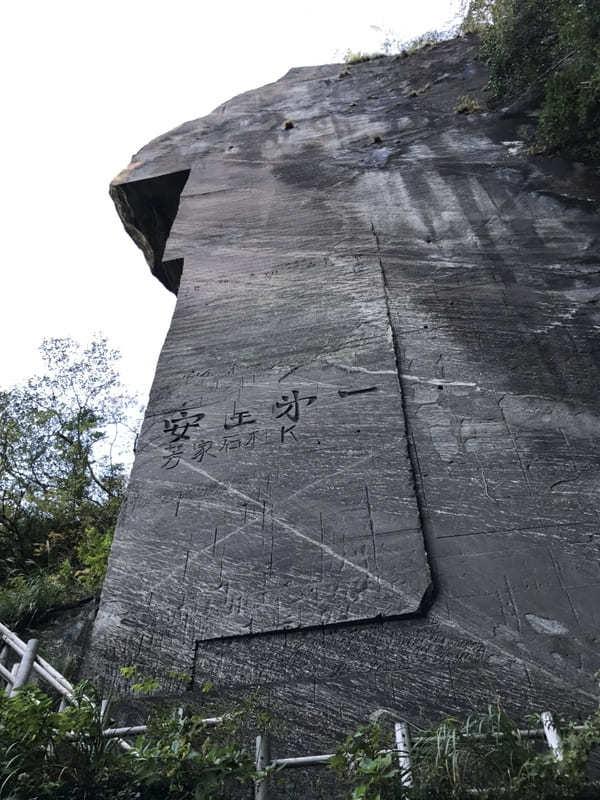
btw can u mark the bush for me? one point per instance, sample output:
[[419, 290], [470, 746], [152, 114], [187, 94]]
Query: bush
[[467, 105], [46, 755], [550, 49], [485, 752], [24, 599], [93, 551]]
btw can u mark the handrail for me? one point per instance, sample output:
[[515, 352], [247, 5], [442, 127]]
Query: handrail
[[40, 665], [404, 748], [29, 662]]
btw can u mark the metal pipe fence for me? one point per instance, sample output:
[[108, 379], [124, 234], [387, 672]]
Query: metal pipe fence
[[403, 752], [29, 662]]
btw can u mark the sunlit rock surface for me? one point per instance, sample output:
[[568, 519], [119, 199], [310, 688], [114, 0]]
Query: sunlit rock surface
[[369, 470]]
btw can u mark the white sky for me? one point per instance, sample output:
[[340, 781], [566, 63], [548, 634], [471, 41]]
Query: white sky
[[84, 86]]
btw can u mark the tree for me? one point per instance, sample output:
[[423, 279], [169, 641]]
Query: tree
[[548, 50], [59, 435]]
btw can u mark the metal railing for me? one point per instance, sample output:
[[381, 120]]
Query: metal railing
[[26, 662], [402, 751]]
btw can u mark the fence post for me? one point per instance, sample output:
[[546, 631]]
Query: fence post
[[26, 666], [402, 737], [9, 684], [263, 759], [552, 735], [104, 710], [4, 653]]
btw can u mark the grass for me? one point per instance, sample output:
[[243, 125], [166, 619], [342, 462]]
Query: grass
[[467, 105], [485, 752], [352, 57], [27, 598], [24, 599], [47, 755]]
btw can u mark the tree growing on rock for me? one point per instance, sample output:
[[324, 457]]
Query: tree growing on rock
[[546, 52]]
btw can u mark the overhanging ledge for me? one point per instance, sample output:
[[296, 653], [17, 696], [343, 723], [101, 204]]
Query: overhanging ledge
[[147, 209]]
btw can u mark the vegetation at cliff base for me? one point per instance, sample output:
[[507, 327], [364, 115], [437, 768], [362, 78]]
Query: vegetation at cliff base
[[61, 480], [546, 52], [484, 755], [51, 755]]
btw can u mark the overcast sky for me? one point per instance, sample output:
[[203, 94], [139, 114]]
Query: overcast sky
[[84, 86]]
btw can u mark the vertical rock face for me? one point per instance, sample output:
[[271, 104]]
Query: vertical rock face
[[369, 470]]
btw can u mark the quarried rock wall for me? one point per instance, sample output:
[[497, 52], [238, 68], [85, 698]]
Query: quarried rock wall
[[369, 469]]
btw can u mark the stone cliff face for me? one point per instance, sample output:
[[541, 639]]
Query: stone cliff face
[[369, 469]]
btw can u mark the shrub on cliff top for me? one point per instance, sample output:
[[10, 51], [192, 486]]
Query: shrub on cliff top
[[549, 50]]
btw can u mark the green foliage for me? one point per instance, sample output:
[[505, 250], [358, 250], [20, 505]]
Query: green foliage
[[485, 752], [427, 39], [24, 598], [93, 550], [357, 57], [570, 115], [192, 763], [482, 752], [467, 105], [60, 487], [48, 755], [360, 759], [44, 754], [393, 43], [476, 17], [142, 685], [550, 49]]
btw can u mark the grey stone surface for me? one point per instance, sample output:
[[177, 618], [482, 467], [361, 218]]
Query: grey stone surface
[[388, 247], [275, 458], [64, 635]]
